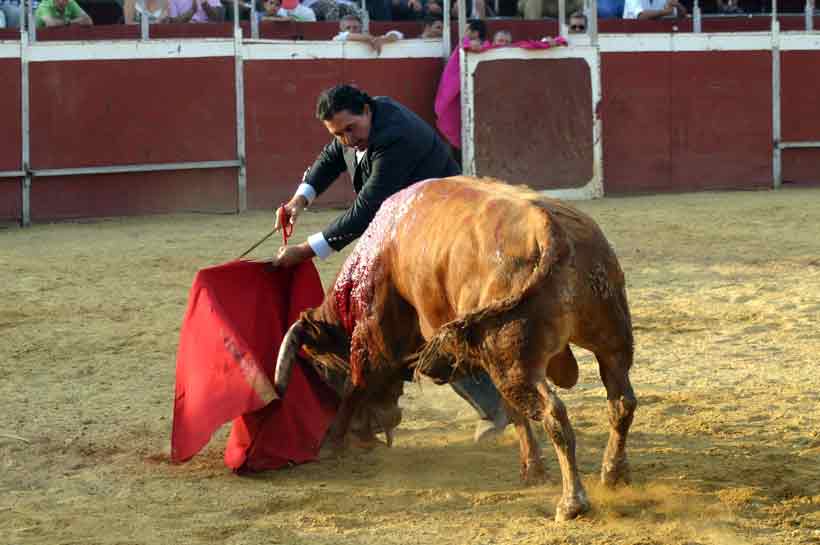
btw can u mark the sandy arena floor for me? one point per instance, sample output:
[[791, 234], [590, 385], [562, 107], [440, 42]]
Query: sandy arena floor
[[725, 447]]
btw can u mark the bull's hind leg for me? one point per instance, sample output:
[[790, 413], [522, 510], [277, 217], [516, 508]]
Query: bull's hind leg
[[614, 369], [573, 500]]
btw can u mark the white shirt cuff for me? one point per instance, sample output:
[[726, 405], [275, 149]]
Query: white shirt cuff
[[306, 191], [319, 245]]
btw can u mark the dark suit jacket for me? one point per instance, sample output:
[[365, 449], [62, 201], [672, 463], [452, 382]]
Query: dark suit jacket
[[402, 150]]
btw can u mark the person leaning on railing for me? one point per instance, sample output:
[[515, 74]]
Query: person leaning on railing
[[195, 11], [653, 9], [10, 10], [51, 13], [351, 30], [155, 10], [287, 10], [433, 27]]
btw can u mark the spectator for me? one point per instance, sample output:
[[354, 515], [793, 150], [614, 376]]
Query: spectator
[[287, 10], [156, 11], [653, 9], [577, 23], [333, 10], [408, 10], [476, 35], [52, 13], [433, 27], [351, 29], [538, 9], [729, 6], [196, 11], [502, 37], [10, 10], [433, 7], [610, 9], [477, 10]]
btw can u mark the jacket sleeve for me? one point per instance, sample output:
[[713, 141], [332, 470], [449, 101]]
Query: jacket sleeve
[[328, 166], [391, 169]]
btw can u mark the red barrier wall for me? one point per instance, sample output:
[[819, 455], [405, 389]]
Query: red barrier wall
[[11, 138], [283, 135], [10, 200], [66, 197], [94, 113], [11, 132], [97, 113], [325, 30], [538, 131], [686, 121], [800, 110]]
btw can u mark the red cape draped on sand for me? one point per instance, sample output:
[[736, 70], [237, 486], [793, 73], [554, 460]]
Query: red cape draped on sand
[[237, 315]]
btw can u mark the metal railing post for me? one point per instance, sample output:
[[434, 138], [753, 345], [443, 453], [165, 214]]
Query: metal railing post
[[145, 23], [462, 21], [239, 86], [446, 33], [25, 185], [777, 156], [562, 18], [809, 12], [254, 21], [592, 24], [697, 21], [31, 21]]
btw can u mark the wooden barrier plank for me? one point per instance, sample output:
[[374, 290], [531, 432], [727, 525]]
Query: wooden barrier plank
[[116, 112], [686, 121], [800, 88], [10, 200], [538, 131], [127, 194], [11, 132], [283, 135]]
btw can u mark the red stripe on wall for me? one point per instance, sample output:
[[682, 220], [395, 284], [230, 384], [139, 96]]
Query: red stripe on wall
[[799, 88], [11, 132], [133, 194], [801, 166], [94, 113], [10, 200], [686, 121], [283, 136]]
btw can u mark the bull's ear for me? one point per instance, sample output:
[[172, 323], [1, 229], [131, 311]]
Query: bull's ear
[[287, 355]]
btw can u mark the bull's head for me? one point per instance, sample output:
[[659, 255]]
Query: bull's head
[[328, 350]]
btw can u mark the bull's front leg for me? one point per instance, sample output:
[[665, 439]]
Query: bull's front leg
[[336, 438], [573, 500]]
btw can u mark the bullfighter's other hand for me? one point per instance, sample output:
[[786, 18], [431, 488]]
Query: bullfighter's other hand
[[289, 256], [292, 209]]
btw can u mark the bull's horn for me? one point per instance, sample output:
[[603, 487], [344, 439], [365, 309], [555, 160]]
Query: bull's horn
[[287, 354]]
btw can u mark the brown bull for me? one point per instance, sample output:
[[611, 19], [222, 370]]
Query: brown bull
[[460, 274]]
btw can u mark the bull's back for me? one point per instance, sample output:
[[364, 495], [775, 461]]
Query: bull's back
[[465, 244]]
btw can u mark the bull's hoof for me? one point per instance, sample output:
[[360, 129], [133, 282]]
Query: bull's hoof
[[570, 508], [614, 472], [365, 443], [533, 472], [333, 448]]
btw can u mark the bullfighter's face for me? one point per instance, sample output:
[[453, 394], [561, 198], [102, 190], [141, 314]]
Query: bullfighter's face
[[350, 129]]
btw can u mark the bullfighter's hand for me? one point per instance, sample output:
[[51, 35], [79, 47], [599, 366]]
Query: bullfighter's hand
[[289, 256], [293, 208]]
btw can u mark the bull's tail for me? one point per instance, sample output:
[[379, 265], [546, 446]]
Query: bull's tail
[[459, 340]]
